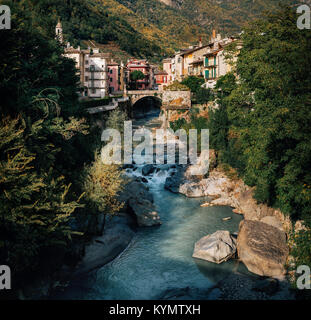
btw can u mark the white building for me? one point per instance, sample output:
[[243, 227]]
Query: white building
[[215, 64], [92, 67], [96, 74]]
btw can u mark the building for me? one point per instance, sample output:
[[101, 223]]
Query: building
[[207, 61], [141, 65], [91, 65], [167, 67], [78, 56], [193, 60], [178, 65], [215, 64], [92, 68], [96, 74], [114, 76], [186, 62], [161, 79], [59, 32]]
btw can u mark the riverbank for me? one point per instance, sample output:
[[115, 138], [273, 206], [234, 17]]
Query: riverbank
[[156, 263]]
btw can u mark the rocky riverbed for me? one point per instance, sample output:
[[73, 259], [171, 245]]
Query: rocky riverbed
[[262, 241]]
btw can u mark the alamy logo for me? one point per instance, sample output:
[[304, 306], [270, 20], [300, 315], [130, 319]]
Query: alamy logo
[[5, 17], [144, 153], [304, 21], [5, 277], [304, 281]]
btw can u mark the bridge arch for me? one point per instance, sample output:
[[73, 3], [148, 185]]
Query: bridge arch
[[146, 105]]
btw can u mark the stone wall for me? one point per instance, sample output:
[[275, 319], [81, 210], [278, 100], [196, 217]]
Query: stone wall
[[176, 99]]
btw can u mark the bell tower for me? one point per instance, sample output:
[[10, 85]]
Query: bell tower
[[59, 32]]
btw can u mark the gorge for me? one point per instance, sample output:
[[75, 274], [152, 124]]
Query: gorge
[[156, 262]]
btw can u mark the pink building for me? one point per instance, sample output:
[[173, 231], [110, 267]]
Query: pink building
[[113, 76], [161, 79], [146, 69], [167, 67]]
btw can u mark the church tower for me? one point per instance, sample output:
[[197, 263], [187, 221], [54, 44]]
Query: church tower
[[59, 32]]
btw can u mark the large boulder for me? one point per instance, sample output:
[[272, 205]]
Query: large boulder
[[262, 248], [101, 250], [145, 212], [192, 189], [138, 201], [217, 247], [175, 181]]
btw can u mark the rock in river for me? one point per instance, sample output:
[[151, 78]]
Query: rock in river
[[138, 201], [262, 248], [148, 169], [217, 247]]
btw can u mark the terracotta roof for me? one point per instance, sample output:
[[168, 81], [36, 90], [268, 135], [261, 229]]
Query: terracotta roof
[[100, 55], [113, 63], [212, 52], [197, 61], [160, 73], [193, 50]]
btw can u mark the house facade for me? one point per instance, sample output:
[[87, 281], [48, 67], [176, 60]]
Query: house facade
[[161, 79], [91, 65], [215, 63], [141, 65], [167, 67], [96, 74], [114, 76], [206, 61]]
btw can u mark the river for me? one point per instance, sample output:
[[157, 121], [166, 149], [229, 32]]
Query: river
[[158, 262]]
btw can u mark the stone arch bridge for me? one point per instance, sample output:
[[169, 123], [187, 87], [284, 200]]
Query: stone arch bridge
[[171, 100]]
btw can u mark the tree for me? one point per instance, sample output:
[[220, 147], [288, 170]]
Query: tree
[[263, 123], [193, 83], [135, 76], [42, 132]]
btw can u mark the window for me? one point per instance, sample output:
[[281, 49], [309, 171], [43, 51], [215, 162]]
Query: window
[[215, 60], [86, 61], [206, 74], [110, 79], [86, 78], [206, 62], [110, 71], [93, 90]]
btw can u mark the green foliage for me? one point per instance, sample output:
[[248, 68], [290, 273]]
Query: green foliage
[[177, 86], [196, 122], [193, 83], [178, 124], [95, 102], [203, 95], [46, 142], [301, 247], [137, 75], [32, 202], [102, 184], [89, 20], [116, 120], [262, 125]]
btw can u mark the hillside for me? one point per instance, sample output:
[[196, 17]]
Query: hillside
[[149, 29], [226, 16], [186, 20], [89, 20]]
